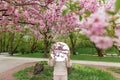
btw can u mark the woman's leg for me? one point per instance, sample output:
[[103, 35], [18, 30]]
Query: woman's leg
[[57, 77], [60, 77], [64, 77]]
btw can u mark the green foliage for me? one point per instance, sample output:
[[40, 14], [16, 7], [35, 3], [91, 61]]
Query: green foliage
[[112, 50], [65, 12], [78, 73], [27, 74], [22, 75], [40, 46], [24, 47], [9, 41], [88, 73], [80, 17], [73, 6], [111, 12], [86, 50], [117, 5], [110, 31], [67, 4], [83, 41], [88, 13], [43, 62]]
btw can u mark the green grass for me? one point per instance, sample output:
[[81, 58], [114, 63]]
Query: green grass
[[92, 50], [78, 73], [86, 50], [114, 69], [31, 55], [77, 57], [95, 58]]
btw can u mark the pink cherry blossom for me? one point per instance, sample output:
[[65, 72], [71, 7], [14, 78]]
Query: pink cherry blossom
[[102, 42], [95, 24], [110, 5], [90, 5], [44, 18]]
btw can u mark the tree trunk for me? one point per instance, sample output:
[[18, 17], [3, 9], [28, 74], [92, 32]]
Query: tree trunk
[[1, 40], [15, 48], [11, 44], [0, 46], [8, 43], [4, 41], [73, 49], [119, 53], [34, 46], [73, 43], [45, 46], [99, 51]]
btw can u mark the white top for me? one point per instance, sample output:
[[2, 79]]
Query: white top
[[60, 51]]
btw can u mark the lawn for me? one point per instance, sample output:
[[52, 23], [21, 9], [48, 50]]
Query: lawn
[[78, 73], [95, 58], [77, 57]]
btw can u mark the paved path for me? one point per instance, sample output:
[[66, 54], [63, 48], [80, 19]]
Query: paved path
[[7, 63]]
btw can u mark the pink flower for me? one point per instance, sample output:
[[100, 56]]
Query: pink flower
[[32, 20], [25, 14], [89, 5], [96, 23], [102, 42], [42, 25], [16, 13], [17, 28], [110, 5]]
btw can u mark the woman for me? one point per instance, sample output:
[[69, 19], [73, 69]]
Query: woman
[[60, 59]]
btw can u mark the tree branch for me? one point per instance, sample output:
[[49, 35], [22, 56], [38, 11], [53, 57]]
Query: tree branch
[[26, 23]]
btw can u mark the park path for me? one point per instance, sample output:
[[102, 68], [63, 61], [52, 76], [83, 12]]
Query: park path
[[7, 63]]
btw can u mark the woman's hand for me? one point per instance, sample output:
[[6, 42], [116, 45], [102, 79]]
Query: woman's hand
[[50, 54], [68, 56], [50, 57]]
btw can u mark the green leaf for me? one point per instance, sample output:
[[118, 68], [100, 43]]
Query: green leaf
[[88, 13], [75, 3], [79, 8], [65, 12], [110, 31], [117, 5], [80, 18], [67, 4], [103, 1], [72, 7], [111, 12]]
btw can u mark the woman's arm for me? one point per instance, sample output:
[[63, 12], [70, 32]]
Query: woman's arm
[[68, 63], [51, 61], [69, 56]]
